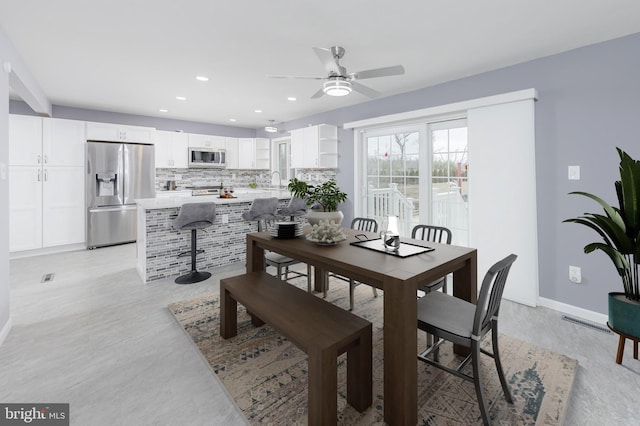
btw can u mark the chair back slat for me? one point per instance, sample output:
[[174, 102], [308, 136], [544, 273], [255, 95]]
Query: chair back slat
[[364, 224], [491, 294], [435, 234]]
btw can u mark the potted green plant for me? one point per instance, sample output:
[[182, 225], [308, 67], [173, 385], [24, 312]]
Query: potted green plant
[[326, 195], [619, 228]]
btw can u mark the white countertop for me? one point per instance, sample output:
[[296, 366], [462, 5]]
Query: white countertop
[[166, 202]]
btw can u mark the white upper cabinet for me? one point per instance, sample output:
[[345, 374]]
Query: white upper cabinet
[[314, 147], [262, 153], [171, 149], [25, 140], [232, 152], [63, 142], [37, 141], [119, 133], [246, 153], [207, 141], [253, 153]]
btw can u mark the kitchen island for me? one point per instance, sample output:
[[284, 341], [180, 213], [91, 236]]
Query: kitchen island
[[159, 244]]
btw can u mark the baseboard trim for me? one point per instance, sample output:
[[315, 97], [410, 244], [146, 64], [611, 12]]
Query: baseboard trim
[[573, 310], [48, 250], [5, 330]]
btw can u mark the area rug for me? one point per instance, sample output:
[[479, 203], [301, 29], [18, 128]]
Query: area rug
[[266, 375]]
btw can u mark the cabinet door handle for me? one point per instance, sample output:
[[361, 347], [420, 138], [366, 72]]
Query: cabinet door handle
[[46, 175], [38, 175], [39, 159], [46, 159]]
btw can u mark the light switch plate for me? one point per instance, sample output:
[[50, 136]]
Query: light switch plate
[[574, 172]]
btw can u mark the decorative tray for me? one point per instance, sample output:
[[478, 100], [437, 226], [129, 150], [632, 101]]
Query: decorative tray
[[405, 249]]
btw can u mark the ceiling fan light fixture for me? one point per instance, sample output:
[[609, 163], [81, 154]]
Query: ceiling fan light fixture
[[337, 88]]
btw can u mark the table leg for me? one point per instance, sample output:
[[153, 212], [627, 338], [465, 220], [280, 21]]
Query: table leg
[[255, 256], [255, 262], [400, 350], [465, 287]]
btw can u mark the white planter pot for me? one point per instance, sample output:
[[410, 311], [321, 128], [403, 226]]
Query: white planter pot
[[314, 217]]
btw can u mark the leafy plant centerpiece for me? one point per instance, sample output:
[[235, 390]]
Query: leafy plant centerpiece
[[327, 195], [619, 227]]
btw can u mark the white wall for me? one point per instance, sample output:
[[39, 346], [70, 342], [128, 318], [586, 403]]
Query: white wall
[[26, 86]]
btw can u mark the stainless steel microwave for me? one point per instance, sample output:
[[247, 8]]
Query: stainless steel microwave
[[207, 157]]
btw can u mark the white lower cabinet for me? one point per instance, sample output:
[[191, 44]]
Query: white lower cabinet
[[46, 207], [25, 208], [63, 209]]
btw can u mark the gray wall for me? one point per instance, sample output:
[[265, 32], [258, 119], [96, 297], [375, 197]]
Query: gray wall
[[19, 107], [589, 103]]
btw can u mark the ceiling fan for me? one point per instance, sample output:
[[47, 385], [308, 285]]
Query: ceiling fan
[[338, 81]]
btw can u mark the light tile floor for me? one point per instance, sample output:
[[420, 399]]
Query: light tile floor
[[100, 339]]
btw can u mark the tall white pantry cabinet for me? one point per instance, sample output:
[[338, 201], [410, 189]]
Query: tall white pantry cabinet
[[46, 182]]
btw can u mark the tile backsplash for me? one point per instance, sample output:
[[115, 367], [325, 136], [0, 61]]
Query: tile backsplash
[[238, 178]]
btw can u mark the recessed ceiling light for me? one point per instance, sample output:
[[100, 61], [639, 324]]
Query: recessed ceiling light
[[181, 98], [164, 110], [257, 110], [202, 78], [291, 98], [232, 119]]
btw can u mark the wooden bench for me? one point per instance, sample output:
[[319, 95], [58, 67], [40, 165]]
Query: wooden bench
[[323, 331]]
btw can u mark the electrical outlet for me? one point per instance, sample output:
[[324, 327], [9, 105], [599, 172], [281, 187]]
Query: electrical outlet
[[575, 274], [225, 218], [574, 172]]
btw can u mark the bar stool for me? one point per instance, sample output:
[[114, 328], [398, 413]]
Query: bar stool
[[194, 216], [297, 207], [262, 210]]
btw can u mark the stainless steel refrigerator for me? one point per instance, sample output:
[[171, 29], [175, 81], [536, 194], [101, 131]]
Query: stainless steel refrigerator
[[116, 174]]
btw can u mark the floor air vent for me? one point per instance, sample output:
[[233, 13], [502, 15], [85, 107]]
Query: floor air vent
[[47, 278], [587, 324]]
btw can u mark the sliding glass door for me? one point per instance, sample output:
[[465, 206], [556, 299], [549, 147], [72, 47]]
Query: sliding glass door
[[418, 173]]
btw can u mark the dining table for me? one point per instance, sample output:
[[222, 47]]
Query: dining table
[[399, 279]]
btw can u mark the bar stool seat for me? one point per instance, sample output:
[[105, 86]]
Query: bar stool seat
[[194, 216]]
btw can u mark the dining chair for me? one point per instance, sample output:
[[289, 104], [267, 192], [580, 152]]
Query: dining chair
[[435, 234], [465, 324], [265, 210], [360, 224]]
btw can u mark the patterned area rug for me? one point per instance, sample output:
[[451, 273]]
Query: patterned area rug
[[267, 375]]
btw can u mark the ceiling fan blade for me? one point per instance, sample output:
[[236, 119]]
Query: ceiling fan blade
[[367, 91], [318, 94], [296, 77], [326, 57], [378, 72]]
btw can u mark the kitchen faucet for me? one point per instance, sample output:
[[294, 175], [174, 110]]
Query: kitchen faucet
[[279, 178]]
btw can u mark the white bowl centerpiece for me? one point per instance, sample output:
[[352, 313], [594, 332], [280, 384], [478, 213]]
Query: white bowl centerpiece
[[326, 233]]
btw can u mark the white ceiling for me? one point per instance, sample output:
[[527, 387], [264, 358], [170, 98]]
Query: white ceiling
[[136, 56]]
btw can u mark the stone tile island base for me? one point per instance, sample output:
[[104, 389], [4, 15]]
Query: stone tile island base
[[159, 244]]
